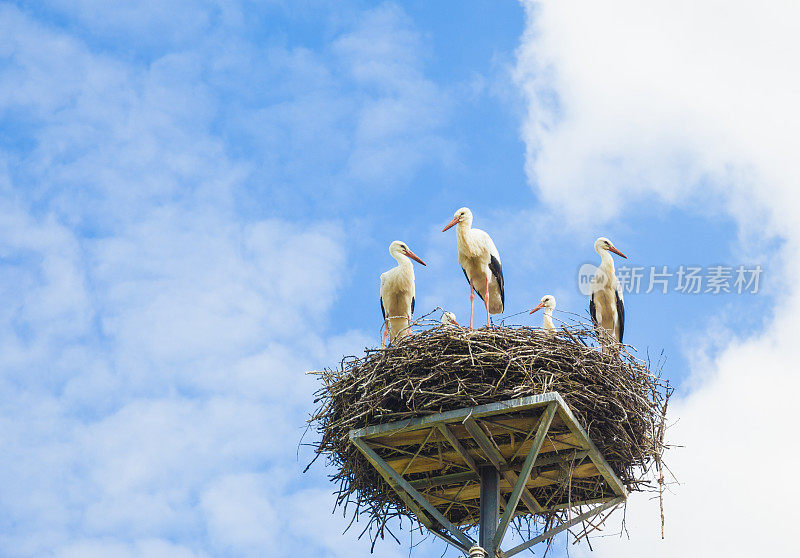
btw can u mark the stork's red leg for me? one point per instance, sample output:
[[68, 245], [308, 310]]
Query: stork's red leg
[[471, 302], [385, 333], [486, 302]]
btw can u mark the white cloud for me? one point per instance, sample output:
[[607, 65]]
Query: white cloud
[[152, 548], [240, 515], [652, 100], [155, 330], [149, 23], [686, 103], [400, 111]]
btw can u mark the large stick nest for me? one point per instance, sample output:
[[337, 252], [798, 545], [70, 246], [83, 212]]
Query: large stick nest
[[616, 398]]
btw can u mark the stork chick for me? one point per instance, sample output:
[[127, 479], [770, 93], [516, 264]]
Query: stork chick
[[448, 318], [548, 302]]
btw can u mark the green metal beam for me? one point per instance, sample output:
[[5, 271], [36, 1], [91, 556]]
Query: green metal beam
[[447, 433], [407, 425], [456, 443], [379, 463], [558, 507], [563, 526], [513, 500], [412, 505], [448, 539], [519, 404], [490, 490], [597, 457], [493, 454], [467, 416]]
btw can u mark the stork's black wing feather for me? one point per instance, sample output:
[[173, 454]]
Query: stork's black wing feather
[[497, 271], [593, 310], [413, 301], [620, 316], [383, 310]]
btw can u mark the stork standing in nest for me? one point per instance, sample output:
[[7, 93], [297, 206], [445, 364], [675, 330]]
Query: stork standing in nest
[[480, 262], [548, 302], [397, 292], [606, 305]]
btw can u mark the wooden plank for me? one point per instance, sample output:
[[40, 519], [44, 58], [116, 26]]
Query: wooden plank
[[430, 462], [519, 425], [543, 478], [500, 425], [438, 456], [419, 450], [453, 478], [560, 459]]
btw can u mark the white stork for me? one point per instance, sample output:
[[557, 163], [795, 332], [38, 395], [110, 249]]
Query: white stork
[[606, 305], [397, 292], [548, 302], [448, 318], [480, 262]]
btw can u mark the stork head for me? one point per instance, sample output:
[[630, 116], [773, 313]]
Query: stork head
[[603, 244], [462, 216], [448, 318], [399, 248], [548, 301]]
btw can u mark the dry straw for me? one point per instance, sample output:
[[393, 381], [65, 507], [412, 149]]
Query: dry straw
[[620, 403]]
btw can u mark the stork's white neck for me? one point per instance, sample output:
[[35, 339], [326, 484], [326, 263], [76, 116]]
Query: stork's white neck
[[548, 318], [404, 261], [607, 262], [463, 237]]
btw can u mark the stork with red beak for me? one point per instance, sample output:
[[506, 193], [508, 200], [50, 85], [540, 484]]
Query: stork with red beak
[[480, 262], [548, 302], [448, 319], [606, 305], [397, 292]]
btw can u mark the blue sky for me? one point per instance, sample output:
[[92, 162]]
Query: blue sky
[[197, 198]]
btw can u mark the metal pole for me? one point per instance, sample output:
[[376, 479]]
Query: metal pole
[[490, 496]]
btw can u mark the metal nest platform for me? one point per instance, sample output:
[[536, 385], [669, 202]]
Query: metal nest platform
[[484, 465]]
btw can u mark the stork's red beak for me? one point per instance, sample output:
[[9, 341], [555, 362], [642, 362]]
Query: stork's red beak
[[541, 305], [617, 252], [413, 256], [455, 322], [450, 224]]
